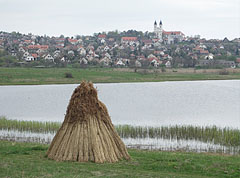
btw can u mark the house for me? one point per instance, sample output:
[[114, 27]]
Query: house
[[62, 59], [154, 62], [82, 51], [27, 41], [49, 57], [56, 53], [138, 64], [13, 53], [71, 52], [151, 56], [209, 56], [102, 41], [43, 47], [167, 64], [83, 61], [173, 36], [80, 41], [60, 44], [104, 61], [204, 52], [72, 41], [91, 52], [129, 39], [221, 47], [102, 36], [238, 62], [106, 48], [107, 55], [111, 39], [29, 58], [35, 56], [120, 63], [26, 54], [21, 49], [147, 42]]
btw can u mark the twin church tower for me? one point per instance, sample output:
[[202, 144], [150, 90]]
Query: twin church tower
[[158, 30], [167, 37]]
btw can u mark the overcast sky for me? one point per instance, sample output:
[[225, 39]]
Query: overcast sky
[[209, 18]]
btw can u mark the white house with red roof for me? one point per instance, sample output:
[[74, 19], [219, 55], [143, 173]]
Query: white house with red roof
[[173, 36], [102, 36], [73, 41], [129, 39]]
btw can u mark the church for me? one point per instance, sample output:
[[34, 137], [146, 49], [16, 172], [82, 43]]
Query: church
[[167, 37]]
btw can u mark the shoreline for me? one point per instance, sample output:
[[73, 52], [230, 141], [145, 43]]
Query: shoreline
[[203, 80], [56, 76]]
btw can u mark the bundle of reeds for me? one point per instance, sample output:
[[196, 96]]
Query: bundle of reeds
[[87, 133]]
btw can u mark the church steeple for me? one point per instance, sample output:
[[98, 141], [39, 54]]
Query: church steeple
[[158, 30]]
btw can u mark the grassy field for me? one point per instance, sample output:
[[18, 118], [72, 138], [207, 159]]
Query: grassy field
[[29, 160], [31, 76]]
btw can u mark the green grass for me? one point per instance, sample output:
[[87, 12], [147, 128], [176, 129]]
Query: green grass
[[29, 160], [30, 76], [222, 136]]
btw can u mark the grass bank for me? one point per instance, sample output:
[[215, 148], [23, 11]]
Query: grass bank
[[36, 76], [222, 136], [29, 160]]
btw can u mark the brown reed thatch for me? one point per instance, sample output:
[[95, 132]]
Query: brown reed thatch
[[87, 133]]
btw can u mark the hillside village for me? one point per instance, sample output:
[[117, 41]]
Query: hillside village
[[119, 49]]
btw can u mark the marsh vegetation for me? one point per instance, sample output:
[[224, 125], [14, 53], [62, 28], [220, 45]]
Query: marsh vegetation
[[196, 138]]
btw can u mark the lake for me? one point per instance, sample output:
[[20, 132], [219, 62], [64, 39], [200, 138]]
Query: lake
[[202, 103]]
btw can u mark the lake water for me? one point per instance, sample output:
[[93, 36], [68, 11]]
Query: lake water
[[154, 104]]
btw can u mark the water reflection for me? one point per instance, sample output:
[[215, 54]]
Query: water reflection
[[137, 143]]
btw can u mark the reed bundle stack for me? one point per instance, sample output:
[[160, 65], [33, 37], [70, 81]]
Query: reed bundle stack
[[87, 133]]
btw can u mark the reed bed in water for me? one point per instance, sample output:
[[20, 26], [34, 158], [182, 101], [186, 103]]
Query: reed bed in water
[[222, 136], [31, 126]]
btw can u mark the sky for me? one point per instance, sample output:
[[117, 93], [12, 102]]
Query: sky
[[212, 19]]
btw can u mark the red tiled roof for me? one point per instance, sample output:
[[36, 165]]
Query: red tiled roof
[[34, 55], [27, 41], [204, 51], [38, 47], [153, 58], [147, 41], [102, 36], [172, 33], [129, 38], [155, 40], [111, 39], [238, 60], [72, 40]]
